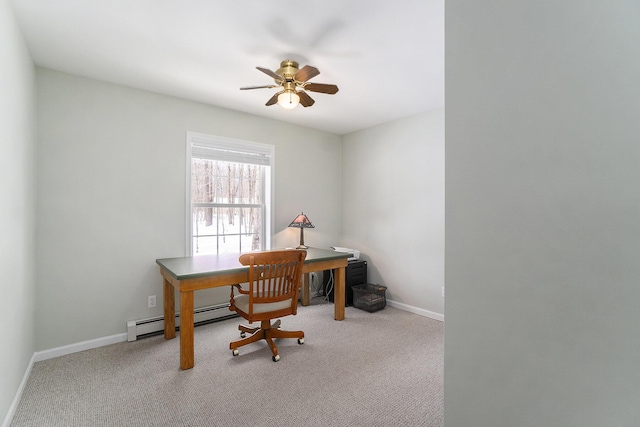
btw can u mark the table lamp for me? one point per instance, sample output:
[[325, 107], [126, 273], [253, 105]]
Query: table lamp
[[301, 222]]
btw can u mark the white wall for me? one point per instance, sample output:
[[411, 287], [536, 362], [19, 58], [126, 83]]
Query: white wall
[[17, 208], [111, 195], [542, 213], [393, 207]]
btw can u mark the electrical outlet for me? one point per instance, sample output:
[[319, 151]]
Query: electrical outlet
[[151, 302], [443, 292]]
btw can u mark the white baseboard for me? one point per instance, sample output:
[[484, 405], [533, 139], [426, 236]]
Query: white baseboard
[[422, 312], [18, 396], [80, 346]]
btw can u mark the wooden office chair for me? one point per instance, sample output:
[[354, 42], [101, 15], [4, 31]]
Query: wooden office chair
[[274, 280]]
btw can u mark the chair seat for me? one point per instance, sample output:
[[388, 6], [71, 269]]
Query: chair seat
[[242, 303]]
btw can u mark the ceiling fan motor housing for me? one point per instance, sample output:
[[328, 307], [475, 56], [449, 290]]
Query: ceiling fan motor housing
[[288, 69]]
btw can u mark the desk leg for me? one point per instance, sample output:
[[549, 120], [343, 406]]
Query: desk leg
[[339, 294], [169, 311], [305, 288], [186, 330]]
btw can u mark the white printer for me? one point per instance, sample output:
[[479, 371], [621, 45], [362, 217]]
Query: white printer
[[356, 254]]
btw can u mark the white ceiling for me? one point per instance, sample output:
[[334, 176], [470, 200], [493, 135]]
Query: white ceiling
[[386, 57]]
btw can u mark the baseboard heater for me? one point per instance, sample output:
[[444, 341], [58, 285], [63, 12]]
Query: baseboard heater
[[155, 325]]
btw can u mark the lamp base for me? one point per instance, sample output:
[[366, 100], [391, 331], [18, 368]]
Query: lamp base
[[302, 247]]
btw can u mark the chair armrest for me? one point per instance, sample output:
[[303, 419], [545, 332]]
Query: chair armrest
[[240, 290]]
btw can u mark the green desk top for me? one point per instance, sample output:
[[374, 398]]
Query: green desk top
[[210, 265]]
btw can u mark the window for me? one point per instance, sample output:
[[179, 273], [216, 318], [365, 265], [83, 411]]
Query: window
[[228, 195]]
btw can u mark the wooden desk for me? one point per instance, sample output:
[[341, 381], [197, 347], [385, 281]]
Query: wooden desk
[[189, 274]]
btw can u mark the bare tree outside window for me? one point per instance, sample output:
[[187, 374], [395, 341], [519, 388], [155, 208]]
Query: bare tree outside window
[[227, 206]]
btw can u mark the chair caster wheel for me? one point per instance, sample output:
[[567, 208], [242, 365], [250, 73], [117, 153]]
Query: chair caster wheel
[[300, 341], [275, 358], [236, 352], [242, 334]]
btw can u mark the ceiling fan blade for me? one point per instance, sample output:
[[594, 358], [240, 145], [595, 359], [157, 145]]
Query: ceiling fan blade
[[258, 87], [270, 73], [307, 72], [321, 87], [305, 99], [273, 99]]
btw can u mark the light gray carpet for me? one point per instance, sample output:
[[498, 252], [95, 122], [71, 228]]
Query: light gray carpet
[[372, 369]]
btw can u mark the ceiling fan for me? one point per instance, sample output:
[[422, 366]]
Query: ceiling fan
[[293, 82]]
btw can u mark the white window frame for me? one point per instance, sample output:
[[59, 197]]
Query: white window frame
[[232, 150]]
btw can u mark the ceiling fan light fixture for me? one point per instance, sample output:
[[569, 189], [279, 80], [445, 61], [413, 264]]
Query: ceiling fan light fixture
[[288, 99]]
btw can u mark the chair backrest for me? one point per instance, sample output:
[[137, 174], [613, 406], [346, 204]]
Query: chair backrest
[[274, 276]]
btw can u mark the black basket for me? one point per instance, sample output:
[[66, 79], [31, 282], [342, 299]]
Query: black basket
[[369, 297]]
